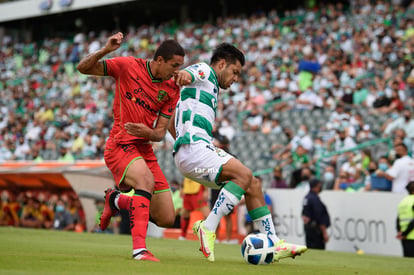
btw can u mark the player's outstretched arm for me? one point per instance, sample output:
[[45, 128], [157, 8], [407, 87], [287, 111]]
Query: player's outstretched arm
[[90, 64]]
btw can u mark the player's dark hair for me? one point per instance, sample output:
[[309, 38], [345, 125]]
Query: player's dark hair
[[402, 145], [410, 187], [227, 52], [168, 49]]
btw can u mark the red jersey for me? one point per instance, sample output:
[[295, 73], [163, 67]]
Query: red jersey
[[139, 97]]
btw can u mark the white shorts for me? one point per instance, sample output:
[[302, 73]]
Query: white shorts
[[201, 162]]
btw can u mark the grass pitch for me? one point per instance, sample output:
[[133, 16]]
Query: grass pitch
[[30, 251]]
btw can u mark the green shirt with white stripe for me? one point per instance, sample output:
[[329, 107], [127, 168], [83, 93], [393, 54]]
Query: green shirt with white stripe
[[196, 109]]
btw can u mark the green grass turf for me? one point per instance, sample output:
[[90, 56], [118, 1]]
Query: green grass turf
[[30, 251]]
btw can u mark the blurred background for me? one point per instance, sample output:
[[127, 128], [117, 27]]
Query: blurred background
[[327, 89]]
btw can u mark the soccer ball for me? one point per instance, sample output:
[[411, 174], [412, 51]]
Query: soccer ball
[[257, 248]]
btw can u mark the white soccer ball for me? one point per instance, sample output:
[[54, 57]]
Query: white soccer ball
[[257, 248]]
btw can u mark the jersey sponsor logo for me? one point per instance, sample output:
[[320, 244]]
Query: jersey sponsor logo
[[162, 96], [211, 147], [140, 102], [201, 74], [140, 91]]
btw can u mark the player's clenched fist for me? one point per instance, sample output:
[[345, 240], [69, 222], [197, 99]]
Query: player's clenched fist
[[114, 42]]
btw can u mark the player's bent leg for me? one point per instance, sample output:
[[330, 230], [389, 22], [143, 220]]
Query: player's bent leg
[[139, 177], [162, 209], [235, 171], [254, 195], [238, 177]]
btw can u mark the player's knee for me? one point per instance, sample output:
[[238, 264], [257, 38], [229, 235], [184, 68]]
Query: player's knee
[[256, 184], [145, 182], [255, 187], [245, 178], [165, 221]]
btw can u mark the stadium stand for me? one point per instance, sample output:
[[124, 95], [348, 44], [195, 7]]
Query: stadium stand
[[364, 51]]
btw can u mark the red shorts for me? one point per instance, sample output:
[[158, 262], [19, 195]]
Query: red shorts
[[193, 202], [118, 157]]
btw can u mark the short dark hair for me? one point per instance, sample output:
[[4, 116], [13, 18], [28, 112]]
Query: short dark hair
[[227, 52], [168, 49], [402, 145], [410, 187]]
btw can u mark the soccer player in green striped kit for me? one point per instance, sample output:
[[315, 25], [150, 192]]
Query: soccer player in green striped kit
[[198, 159]]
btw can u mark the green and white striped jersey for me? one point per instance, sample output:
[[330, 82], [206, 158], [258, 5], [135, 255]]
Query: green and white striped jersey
[[196, 108]]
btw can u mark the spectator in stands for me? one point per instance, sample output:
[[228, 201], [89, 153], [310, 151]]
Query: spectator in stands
[[365, 134], [395, 104], [266, 126], [309, 100], [298, 160], [6, 150], [406, 123], [278, 181], [22, 148], [401, 136], [226, 129], [65, 155], [302, 138], [303, 183], [381, 101], [342, 141], [254, 120], [338, 114], [360, 94], [402, 170], [372, 181], [351, 165], [63, 218], [35, 155], [328, 177]]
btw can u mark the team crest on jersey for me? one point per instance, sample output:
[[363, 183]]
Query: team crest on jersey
[[221, 152], [201, 74], [162, 96]]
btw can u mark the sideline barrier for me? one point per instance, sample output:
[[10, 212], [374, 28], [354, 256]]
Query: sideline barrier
[[364, 219], [80, 176]]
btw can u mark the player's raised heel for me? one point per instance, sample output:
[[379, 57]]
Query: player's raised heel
[[109, 208], [145, 255], [207, 239], [287, 250]]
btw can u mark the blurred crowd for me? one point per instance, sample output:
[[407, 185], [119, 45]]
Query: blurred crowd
[[333, 58], [42, 209]]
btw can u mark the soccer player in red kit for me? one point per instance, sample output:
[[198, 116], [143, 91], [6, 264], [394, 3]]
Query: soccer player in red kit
[[145, 93]]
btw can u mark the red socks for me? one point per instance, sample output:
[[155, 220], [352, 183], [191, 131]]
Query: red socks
[[138, 209], [184, 226]]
